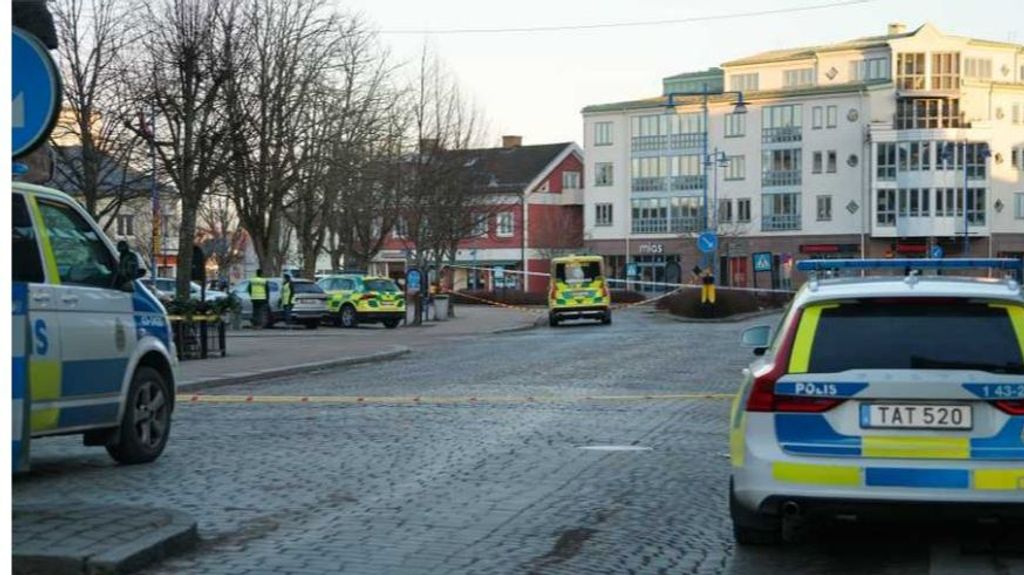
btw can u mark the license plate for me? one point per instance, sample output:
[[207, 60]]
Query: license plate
[[387, 303], [303, 301], [911, 416], [580, 294]]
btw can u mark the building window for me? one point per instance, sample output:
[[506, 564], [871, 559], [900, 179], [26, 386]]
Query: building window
[[1018, 206], [978, 68], [602, 214], [650, 132], [817, 118], [686, 215], [685, 173], [816, 163], [126, 225], [886, 161], [570, 180], [798, 78], [830, 164], [913, 202], [1017, 158], [604, 174], [505, 225], [977, 154], [925, 113], [976, 206], [735, 125], [649, 174], [824, 208], [869, 69], [780, 212], [725, 211], [480, 226], [736, 169], [885, 210], [910, 71], [744, 82], [781, 167], [685, 130], [915, 156], [743, 210], [949, 202], [781, 124], [945, 70], [650, 216], [832, 116], [603, 133], [1015, 115]]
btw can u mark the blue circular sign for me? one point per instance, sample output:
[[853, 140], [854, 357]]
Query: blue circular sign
[[412, 280], [937, 252], [707, 242], [35, 102]]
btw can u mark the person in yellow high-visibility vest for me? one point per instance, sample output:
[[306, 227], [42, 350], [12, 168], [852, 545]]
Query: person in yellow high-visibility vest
[[258, 295], [707, 287]]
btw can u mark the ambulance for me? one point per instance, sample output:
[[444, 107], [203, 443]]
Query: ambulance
[[577, 289], [93, 353]]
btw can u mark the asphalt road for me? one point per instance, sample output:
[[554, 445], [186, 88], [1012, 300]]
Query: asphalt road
[[493, 479]]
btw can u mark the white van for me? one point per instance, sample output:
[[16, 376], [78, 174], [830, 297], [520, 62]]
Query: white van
[[93, 352]]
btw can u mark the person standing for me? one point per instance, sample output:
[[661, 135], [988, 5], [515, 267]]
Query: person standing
[[258, 295], [287, 298]]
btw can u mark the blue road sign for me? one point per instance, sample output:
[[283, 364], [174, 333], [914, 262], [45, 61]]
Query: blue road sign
[[631, 270], [936, 252], [707, 242], [36, 93], [762, 261], [412, 280]]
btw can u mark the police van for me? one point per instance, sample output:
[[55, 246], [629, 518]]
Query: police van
[[93, 353]]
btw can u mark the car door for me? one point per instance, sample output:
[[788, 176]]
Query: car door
[[97, 332], [242, 292]]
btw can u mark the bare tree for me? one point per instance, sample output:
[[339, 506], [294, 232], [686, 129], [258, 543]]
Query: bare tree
[[95, 151], [182, 70], [220, 235]]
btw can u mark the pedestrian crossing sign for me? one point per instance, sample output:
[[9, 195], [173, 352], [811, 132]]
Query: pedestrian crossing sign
[[762, 261]]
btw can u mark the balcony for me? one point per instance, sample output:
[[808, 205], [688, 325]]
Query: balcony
[[780, 222], [650, 226], [688, 141], [685, 141], [658, 184], [686, 224], [781, 135], [774, 178], [677, 183], [649, 143]]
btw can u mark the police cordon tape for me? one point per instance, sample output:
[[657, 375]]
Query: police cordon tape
[[438, 400]]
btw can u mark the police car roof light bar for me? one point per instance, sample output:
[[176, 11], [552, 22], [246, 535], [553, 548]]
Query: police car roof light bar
[[905, 263]]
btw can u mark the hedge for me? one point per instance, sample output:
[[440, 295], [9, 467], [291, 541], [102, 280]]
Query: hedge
[[728, 302]]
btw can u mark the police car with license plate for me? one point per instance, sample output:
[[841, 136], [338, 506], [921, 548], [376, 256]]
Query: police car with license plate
[[93, 352], [877, 394]]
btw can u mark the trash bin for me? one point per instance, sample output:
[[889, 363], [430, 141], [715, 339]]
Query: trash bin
[[440, 308]]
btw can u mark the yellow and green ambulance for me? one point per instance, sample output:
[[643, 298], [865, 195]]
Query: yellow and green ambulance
[[355, 298], [578, 289]]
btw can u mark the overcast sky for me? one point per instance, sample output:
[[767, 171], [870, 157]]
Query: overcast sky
[[534, 84]]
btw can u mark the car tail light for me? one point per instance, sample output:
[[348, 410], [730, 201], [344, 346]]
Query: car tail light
[[1011, 406], [604, 292], [553, 293]]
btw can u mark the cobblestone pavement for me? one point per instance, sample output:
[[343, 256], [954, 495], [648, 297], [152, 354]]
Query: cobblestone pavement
[[486, 488]]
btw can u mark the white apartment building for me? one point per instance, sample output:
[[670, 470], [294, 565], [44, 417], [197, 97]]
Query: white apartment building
[[846, 150]]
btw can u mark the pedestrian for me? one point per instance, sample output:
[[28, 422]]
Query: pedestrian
[[258, 295], [287, 298]]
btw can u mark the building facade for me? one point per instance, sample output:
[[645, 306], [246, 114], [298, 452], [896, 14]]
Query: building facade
[[880, 146]]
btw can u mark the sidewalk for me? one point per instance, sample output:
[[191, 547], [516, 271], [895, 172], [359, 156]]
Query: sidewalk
[[261, 354]]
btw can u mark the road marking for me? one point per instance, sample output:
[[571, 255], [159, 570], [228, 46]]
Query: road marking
[[614, 448], [439, 400]]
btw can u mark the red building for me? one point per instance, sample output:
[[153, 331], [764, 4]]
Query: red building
[[538, 214]]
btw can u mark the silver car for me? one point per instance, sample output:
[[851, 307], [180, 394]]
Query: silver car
[[882, 393], [310, 306]]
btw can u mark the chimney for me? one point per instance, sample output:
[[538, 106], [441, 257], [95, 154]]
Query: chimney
[[428, 145], [511, 141], [896, 28]]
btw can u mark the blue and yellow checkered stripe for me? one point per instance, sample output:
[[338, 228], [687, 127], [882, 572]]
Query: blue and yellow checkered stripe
[[996, 479]]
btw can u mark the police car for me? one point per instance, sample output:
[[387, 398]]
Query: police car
[[92, 348], [881, 396]]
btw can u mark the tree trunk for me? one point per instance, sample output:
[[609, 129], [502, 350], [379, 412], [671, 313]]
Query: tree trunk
[[186, 238]]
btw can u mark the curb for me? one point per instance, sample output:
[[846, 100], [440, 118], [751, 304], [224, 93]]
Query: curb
[[540, 321], [180, 534], [731, 319], [248, 376]]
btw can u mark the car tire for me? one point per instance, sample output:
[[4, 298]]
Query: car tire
[[146, 423], [607, 318], [750, 528], [348, 317], [392, 323], [553, 320], [312, 324]]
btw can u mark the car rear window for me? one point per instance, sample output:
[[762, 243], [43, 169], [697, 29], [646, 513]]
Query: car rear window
[[387, 286], [577, 272], [951, 334], [306, 287]]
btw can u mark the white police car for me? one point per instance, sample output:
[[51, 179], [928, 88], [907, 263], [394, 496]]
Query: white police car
[[92, 348], [882, 396]]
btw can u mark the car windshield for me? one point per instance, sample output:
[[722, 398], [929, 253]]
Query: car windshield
[[381, 285], [908, 334], [306, 287], [578, 272]]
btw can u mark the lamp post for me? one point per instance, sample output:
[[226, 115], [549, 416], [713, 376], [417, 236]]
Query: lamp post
[[739, 108]]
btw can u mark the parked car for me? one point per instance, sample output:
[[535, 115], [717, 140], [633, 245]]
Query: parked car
[[356, 298], [164, 289], [310, 306]]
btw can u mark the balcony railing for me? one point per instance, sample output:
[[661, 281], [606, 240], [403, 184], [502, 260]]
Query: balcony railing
[[784, 134], [646, 143], [669, 142], [650, 226], [780, 222], [683, 141], [781, 178], [911, 122], [686, 224], [649, 184], [686, 183]]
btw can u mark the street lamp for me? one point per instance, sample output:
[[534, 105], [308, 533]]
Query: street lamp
[[739, 108], [948, 156]]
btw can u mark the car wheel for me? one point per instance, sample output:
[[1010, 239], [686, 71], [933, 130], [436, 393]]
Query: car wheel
[[552, 320], [750, 528], [392, 323], [607, 318], [348, 317], [312, 324], [146, 423]]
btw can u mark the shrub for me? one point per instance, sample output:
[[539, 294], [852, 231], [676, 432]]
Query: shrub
[[728, 302], [627, 296]]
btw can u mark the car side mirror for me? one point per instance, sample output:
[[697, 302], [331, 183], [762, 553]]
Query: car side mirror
[[757, 337], [129, 269]]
